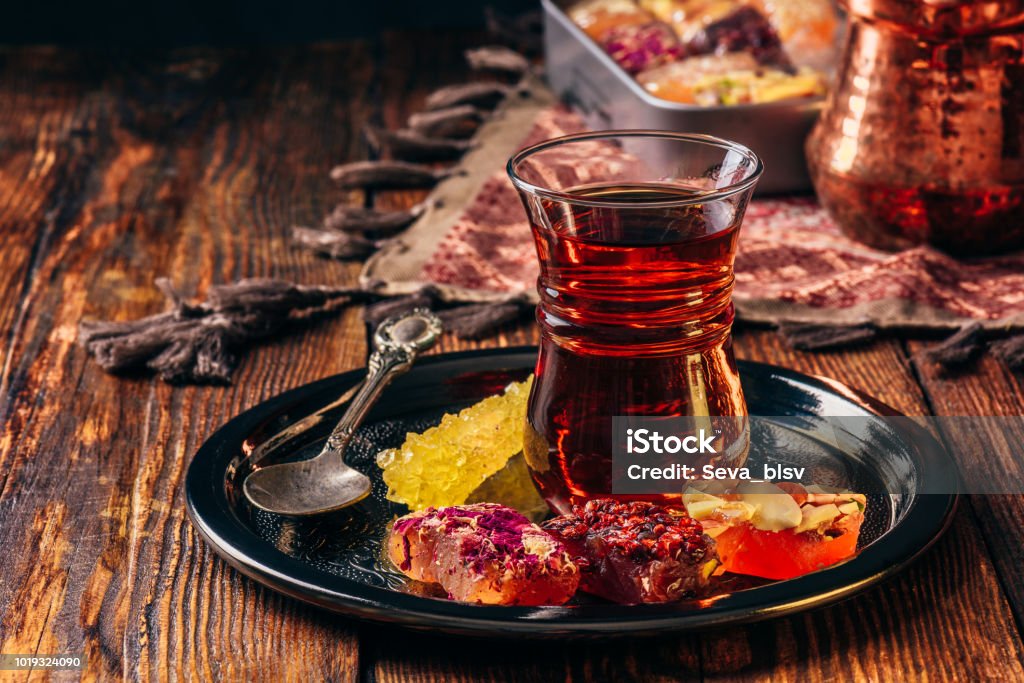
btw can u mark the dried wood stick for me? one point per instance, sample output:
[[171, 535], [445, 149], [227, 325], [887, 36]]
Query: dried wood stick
[[381, 223], [453, 122], [411, 145], [198, 343], [1010, 351], [334, 243], [497, 58], [474, 321], [811, 337], [480, 94], [958, 349], [386, 175], [377, 312]]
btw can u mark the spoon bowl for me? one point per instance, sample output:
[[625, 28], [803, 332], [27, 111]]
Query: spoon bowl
[[305, 488], [325, 483]]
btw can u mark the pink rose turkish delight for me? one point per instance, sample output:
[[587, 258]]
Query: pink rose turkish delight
[[483, 553], [641, 47]]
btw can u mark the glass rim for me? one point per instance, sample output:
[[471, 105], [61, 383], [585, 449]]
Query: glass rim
[[699, 196]]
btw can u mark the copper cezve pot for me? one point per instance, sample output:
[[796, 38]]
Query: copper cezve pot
[[922, 138]]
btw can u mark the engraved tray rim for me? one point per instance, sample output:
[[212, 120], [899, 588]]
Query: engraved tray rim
[[216, 518]]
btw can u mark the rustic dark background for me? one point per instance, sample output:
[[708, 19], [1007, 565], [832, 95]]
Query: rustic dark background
[[231, 22], [194, 163]]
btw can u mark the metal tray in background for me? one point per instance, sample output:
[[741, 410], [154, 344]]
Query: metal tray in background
[[582, 74]]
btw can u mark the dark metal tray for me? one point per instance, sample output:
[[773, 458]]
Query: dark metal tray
[[335, 561]]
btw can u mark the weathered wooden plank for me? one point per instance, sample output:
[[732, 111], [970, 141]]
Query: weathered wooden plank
[[437, 658], [208, 159], [988, 388], [41, 170]]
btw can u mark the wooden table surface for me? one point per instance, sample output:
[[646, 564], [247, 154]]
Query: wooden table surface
[[116, 168]]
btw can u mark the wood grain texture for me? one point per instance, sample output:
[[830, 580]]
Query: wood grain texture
[[988, 388], [191, 165], [117, 168]]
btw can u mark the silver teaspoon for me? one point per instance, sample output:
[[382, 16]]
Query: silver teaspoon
[[326, 483]]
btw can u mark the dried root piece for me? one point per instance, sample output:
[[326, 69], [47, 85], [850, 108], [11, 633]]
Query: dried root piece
[[1010, 351], [475, 321], [809, 337], [453, 122], [197, 343], [334, 243], [386, 175], [379, 311], [466, 321], [411, 145], [477, 93], [970, 342], [264, 295], [959, 349], [497, 58], [381, 223]]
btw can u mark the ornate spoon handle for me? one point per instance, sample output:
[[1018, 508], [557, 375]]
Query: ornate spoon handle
[[397, 343]]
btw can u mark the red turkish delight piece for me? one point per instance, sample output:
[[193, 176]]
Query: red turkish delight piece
[[636, 552]]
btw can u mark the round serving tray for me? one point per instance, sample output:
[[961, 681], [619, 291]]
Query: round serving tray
[[335, 561]]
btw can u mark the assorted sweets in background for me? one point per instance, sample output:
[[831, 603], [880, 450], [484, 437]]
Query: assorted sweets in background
[[741, 71], [922, 138], [717, 52]]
